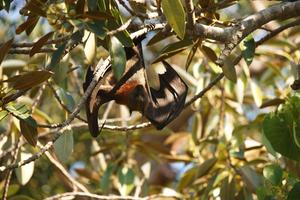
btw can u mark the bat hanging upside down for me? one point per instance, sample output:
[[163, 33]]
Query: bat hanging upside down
[[160, 106]]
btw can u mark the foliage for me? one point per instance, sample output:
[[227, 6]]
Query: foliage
[[240, 140]]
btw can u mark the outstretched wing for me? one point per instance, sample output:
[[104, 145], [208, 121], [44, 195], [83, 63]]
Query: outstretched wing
[[168, 101]]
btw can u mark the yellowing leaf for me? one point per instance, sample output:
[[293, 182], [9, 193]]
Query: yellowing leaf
[[29, 79], [256, 93], [175, 14]]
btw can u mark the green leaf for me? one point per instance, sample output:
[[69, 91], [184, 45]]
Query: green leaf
[[229, 70], [294, 194], [227, 189], [25, 172], [21, 197], [3, 114], [118, 57], [105, 180], [57, 55], [28, 128], [123, 37], [248, 49], [282, 129], [63, 146], [273, 173], [175, 14], [20, 111], [97, 27], [66, 98], [173, 49], [196, 172], [126, 176], [250, 177], [126, 179], [12, 189]]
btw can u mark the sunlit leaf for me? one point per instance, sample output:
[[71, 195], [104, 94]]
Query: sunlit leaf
[[118, 57], [175, 14], [90, 47], [28, 128], [63, 146], [3, 114], [29, 79], [256, 93], [25, 172], [40, 43]]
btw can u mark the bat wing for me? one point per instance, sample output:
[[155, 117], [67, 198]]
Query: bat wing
[[168, 101]]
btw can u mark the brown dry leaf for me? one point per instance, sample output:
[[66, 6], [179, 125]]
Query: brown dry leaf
[[39, 44], [29, 79], [209, 53], [4, 49], [29, 130], [28, 25]]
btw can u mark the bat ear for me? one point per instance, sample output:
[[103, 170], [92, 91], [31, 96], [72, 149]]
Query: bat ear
[[88, 78]]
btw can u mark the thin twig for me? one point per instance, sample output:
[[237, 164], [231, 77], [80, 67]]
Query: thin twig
[[61, 168], [62, 103], [9, 173], [110, 197], [27, 51]]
